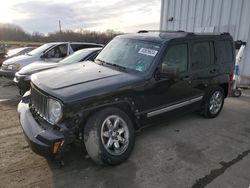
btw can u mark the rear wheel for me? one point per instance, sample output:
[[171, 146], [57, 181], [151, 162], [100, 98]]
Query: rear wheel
[[109, 136], [213, 103]]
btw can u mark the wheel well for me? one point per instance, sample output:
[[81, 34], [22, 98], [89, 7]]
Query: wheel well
[[122, 106], [225, 88]]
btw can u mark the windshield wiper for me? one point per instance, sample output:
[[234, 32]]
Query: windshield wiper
[[111, 64], [102, 62], [119, 66]]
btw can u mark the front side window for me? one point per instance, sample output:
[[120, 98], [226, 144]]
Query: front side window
[[200, 55], [59, 51], [130, 54], [177, 56]]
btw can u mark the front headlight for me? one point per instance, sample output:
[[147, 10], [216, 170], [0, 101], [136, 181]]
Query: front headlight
[[55, 111], [22, 76], [14, 67]]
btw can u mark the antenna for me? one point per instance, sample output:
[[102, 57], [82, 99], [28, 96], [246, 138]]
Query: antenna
[[60, 29]]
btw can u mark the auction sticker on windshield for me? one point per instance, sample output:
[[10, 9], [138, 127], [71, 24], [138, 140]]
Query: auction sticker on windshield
[[147, 51]]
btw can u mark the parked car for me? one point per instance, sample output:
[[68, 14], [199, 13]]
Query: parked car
[[22, 77], [47, 52], [16, 52], [136, 80]]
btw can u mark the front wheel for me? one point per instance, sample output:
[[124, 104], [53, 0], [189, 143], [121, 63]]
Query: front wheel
[[109, 136], [21, 92], [213, 103]]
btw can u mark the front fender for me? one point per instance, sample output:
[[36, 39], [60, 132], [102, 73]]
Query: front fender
[[126, 104]]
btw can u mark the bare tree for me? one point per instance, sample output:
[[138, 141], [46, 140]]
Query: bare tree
[[12, 32]]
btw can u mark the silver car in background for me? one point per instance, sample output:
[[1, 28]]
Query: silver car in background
[[22, 77], [48, 52]]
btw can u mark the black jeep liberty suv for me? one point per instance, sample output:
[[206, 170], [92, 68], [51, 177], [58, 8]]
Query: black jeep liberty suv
[[137, 80]]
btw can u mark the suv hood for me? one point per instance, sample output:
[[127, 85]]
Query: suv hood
[[37, 67], [83, 80]]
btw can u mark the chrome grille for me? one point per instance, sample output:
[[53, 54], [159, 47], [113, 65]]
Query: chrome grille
[[39, 102]]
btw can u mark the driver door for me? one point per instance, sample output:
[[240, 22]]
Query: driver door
[[166, 96]]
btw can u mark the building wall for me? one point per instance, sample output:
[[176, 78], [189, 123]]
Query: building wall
[[211, 16]]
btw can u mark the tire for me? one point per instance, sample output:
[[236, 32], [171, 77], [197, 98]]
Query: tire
[[237, 93], [101, 135], [21, 92], [213, 103]]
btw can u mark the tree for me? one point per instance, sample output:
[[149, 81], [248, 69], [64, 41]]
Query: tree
[[12, 32]]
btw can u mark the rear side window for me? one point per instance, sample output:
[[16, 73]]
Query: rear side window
[[224, 51], [200, 55], [177, 56], [76, 47]]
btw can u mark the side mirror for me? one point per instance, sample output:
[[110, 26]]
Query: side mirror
[[169, 72], [43, 56]]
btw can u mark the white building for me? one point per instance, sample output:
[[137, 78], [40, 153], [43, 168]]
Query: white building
[[231, 16]]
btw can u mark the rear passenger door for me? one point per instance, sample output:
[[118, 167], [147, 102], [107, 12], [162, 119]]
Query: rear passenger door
[[202, 67]]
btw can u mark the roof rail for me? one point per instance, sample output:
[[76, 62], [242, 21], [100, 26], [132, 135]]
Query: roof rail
[[163, 31], [225, 33]]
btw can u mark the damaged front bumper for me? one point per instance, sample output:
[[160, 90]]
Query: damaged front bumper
[[43, 138]]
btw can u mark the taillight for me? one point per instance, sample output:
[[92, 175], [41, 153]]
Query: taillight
[[231, 76]]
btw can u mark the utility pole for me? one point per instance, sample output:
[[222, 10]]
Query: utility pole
[[60, 29]]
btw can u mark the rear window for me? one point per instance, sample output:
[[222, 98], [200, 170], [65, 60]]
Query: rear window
[[224, 51]]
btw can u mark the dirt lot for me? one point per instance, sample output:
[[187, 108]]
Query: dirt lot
[[186, 152]]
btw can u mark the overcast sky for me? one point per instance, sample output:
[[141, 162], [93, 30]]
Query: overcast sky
[[120, 15]]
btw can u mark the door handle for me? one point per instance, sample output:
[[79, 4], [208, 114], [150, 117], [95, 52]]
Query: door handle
[[213, 71], [186, 78]]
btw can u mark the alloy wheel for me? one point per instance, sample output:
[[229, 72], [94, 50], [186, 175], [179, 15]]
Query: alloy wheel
[[115, 135]]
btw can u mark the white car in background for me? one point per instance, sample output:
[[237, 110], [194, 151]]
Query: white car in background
[[47, 52]]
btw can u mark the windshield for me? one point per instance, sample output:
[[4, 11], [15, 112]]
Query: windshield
[[40, 49], [77, 56], [14, 51], [129, 53]]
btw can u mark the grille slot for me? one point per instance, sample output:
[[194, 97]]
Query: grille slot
[[4, 67], [39, 102]]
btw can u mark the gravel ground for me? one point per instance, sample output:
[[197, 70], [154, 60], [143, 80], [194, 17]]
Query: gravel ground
[[189, 151]]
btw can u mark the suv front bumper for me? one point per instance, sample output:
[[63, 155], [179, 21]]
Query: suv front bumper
[[22, 83], [41, 137], [7, 73]]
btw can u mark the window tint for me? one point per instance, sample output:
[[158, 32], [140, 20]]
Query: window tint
[[177, 57], [76, 47], [224, 51], [200, 55], [59, 51]]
